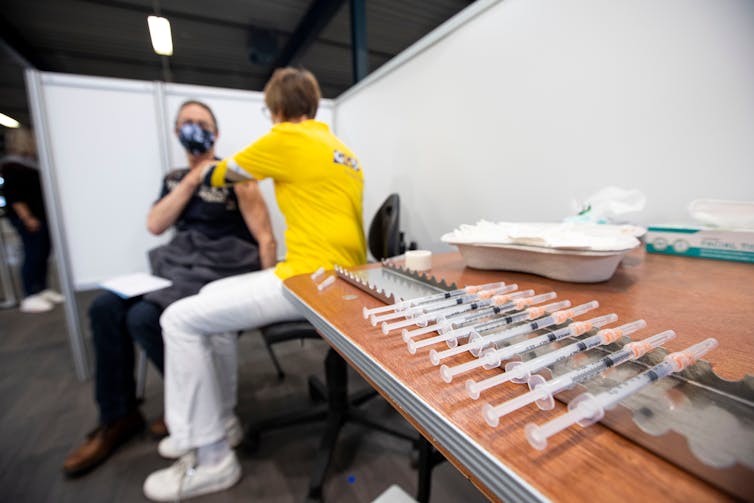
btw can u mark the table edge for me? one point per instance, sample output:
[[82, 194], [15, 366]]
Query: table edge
[[497, 477]]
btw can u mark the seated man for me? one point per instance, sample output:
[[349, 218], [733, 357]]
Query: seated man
[[319, 188], [220, 232]]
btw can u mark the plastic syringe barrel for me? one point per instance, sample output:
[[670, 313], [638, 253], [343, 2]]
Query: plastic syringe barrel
[[517, 305], [498, 304], [542, 391], [587, 409], [420, 310], [573, 330], [475, 346], [674, 362], [630, 351], [430, 298], [423, 315], [491, 314], [446, 337], [480, 342], [501, 302], [553, 318], [519, 372], [492, 358], [463, 328], [511, 304]]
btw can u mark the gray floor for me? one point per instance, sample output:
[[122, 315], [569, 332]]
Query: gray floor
[[46, 411]]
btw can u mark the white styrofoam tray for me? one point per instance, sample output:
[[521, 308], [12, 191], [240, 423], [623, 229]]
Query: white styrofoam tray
[[575, 266]]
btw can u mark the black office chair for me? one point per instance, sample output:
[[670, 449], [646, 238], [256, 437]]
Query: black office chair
[[385, 240]]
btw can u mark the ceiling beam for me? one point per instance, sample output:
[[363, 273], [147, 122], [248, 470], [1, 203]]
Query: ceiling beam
[[318, 16], [240, 25], [18, 48], [359, 49]]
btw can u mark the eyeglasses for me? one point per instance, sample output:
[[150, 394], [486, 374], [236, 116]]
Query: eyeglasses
[[266, 112], [203, 124]]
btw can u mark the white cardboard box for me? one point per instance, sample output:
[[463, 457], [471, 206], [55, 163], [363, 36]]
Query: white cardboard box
[[688, 241]]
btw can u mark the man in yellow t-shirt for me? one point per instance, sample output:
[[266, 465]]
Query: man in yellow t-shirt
[[319, 188]]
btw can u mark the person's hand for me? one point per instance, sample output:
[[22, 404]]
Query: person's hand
[[32, 224], [194, 177]]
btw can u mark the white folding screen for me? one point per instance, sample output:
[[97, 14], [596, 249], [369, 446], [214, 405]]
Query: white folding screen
[[103, 139], [528, 104]]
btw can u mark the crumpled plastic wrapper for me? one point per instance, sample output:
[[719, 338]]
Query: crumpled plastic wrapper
[[722, 213], [566, 235]]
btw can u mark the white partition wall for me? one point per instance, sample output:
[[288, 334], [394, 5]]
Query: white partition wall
[[514, 108], [103, 137]]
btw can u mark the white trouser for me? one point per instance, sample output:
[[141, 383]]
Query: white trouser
[[201, 351]]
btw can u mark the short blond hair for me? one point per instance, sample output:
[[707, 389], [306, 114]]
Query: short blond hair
[[292, 93], [20, 141]]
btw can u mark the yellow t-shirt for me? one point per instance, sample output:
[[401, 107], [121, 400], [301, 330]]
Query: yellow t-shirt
[[319, 188]]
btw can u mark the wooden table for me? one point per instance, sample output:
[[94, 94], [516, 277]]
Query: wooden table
[[695, 297]]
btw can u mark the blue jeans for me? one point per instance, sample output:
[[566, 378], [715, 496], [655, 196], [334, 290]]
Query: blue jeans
[[116, 324], [36, 251]]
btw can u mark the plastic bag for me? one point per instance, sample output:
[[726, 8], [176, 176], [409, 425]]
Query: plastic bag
[[609, 205]]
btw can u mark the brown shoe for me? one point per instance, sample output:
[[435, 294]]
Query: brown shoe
[[158, 429], [102, 442]]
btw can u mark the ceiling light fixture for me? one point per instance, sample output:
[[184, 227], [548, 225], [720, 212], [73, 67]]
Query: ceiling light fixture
[[159, 31], [8, 121]]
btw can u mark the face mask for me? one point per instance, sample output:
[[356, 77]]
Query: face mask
[[195, 139]]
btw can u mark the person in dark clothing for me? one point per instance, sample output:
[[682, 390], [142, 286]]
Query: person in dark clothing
[[26, 211], [219, 233]]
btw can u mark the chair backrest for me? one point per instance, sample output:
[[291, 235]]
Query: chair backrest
[[384, 236]]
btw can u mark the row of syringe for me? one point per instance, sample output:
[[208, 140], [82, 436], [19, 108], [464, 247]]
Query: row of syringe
[[487, 316]]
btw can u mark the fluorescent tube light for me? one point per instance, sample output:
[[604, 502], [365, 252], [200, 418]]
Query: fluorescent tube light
[[159, 31], [8, 121]]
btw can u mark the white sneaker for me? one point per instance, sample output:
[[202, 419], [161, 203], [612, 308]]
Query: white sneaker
[[186, 479], [35, 304], [233, 431], [52, 296]]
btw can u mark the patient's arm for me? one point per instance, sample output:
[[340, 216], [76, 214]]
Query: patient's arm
[[257, 218], [167, 210]]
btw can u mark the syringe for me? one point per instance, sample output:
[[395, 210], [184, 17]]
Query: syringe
[[464, 323], [445, 321], [505, 303], [533, 313], [462, 304], [556, 318], [586, 409], [452, 337], [519, 372], [542, 391], [492, 358], [413, 314], [398, 306], [480, 342]]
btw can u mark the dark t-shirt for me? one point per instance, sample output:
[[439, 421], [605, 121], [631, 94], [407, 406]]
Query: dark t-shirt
[[22, 186], [213, 211]]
